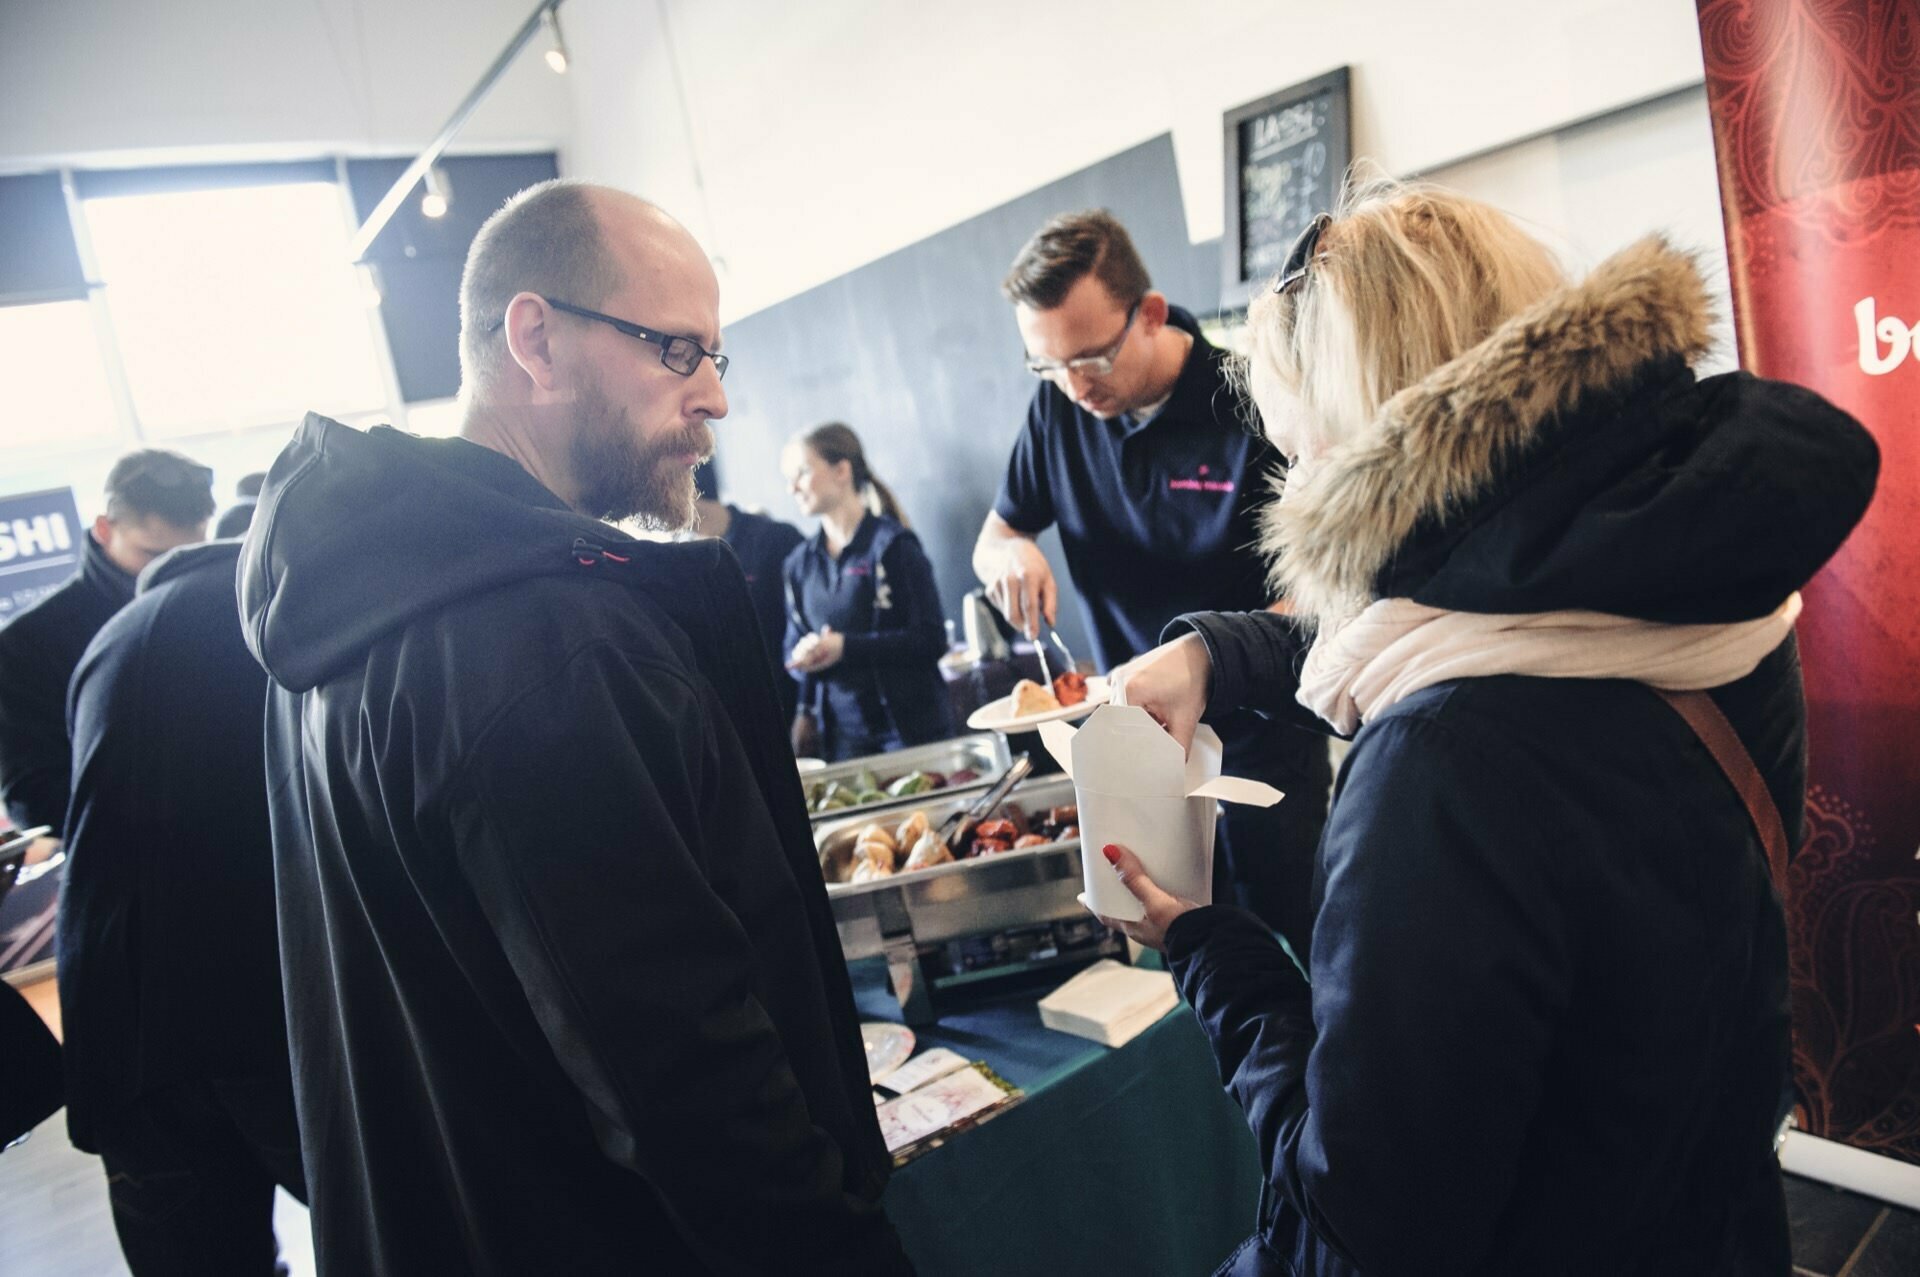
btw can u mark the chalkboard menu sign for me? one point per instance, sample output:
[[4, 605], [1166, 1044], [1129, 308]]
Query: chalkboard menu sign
[[1286, 157]]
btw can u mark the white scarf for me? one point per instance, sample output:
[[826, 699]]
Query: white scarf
[[1357, 669]]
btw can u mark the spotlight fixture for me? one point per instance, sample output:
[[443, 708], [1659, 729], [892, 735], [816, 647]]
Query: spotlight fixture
[[556, 42], [439, 193]]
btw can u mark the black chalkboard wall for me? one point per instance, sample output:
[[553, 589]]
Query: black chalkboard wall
[[918, 353], [1286, 155]]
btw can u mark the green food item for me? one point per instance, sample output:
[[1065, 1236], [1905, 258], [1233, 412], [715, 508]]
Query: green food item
[[866, 796], [910, 784], [815, 792], [865, 781]]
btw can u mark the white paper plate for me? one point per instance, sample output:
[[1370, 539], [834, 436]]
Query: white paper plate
[[888, 1046], [998, 716]]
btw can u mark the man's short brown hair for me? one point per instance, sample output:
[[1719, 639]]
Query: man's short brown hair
[[547, 240], [1068, 249]]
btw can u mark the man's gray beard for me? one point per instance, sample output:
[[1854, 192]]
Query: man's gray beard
[[624, 478]]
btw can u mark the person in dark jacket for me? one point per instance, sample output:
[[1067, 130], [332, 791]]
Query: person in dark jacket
[[156, 500], [762, 545], [865, 631], [1547, 1029], [238, 517], [176, 1034], [564, 992]]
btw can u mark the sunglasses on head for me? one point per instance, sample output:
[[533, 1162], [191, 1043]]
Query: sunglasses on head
[[1300, 256]]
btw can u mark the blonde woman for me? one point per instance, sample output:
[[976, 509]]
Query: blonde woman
[[1546, 1030]]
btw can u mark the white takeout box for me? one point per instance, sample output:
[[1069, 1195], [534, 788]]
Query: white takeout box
[[1135, 789]]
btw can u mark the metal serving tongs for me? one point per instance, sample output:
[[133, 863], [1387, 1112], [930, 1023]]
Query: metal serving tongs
[[1018, 770]]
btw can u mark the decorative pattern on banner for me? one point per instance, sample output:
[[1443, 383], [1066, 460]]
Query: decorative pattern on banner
[[1816, 119]]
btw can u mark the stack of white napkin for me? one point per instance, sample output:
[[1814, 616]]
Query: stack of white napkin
[[1109, 1002]]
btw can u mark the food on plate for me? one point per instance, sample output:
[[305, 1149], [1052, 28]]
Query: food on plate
[[928, 852], [1004, 830], [1031, 698], [912, 829], [1029, 840], [991, 846], [1070, 688]]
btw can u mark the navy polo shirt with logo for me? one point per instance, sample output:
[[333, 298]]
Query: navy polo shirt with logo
[[1156, 515]]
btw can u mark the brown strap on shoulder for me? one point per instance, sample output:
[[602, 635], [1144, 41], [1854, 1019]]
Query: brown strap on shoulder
[[1717, 734]]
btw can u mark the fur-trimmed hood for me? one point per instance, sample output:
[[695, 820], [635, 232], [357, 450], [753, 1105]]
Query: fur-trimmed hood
[[1571, 460]]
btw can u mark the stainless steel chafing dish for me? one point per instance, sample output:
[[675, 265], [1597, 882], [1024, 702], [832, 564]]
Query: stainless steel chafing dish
[[960, 922], [985, 754]]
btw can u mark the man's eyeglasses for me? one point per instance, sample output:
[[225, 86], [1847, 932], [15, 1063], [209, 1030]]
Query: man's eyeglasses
[[1098, 365], [1300, 256], [682, 354]]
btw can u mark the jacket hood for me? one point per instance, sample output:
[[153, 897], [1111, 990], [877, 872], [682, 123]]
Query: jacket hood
[[1572, 460], [358, 533], [202, 556]]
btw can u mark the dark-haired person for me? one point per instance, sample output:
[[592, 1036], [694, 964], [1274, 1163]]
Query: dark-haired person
[[238, 517], [156, 500], [1137, 449], [762, 545], [564, 991], [864, 627], [176, 1031]]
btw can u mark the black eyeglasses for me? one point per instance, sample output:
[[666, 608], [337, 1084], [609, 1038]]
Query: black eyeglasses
[[682, 354], [1300, 256], [1098, 365]]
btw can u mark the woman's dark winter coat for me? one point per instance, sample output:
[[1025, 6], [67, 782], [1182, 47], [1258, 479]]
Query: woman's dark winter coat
[[1547, 1025]]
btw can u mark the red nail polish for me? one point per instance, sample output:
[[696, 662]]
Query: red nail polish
[[1112, 853]]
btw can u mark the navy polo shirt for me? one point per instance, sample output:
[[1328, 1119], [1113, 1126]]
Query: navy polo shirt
[[1156, 515]]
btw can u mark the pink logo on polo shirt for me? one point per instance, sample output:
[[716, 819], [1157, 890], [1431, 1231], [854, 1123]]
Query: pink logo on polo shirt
[[1200, 483]]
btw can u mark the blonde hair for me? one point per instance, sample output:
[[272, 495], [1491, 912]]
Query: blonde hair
[[1406, 278]]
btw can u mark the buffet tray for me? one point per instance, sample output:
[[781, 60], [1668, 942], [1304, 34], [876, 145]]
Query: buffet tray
[[985, 753], [965, 898]]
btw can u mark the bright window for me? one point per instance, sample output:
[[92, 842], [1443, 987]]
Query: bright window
[[53, 386], [235, 307]]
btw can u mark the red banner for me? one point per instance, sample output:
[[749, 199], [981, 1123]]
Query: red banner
[[1816, 123]]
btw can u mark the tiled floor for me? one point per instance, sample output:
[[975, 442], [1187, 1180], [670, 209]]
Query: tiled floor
[[1841, 1234]]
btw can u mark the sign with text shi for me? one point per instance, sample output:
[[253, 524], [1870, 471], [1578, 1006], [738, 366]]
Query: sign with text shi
[[1816, 128], [40, 547]]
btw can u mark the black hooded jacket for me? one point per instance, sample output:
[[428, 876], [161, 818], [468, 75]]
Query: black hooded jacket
[[1547, 1028], [563, 987], [39, 649], [169, 969]]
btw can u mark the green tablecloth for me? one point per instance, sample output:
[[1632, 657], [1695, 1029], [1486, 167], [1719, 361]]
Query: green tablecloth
[[1117, 1162]]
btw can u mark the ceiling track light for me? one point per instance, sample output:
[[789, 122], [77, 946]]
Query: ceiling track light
[[557, 56], [439, 193]]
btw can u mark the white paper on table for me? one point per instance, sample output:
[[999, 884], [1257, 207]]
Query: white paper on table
[[1135, 788], [935, 1107], [922, 1069]]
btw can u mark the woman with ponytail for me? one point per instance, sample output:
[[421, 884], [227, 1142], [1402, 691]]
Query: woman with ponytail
[[864, 625]]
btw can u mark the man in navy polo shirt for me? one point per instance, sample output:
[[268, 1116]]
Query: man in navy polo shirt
[[1136, 447]]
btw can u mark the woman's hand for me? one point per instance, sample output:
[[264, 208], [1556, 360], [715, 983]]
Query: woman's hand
[[1171, 683], [817, 652], [1162, 908]]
